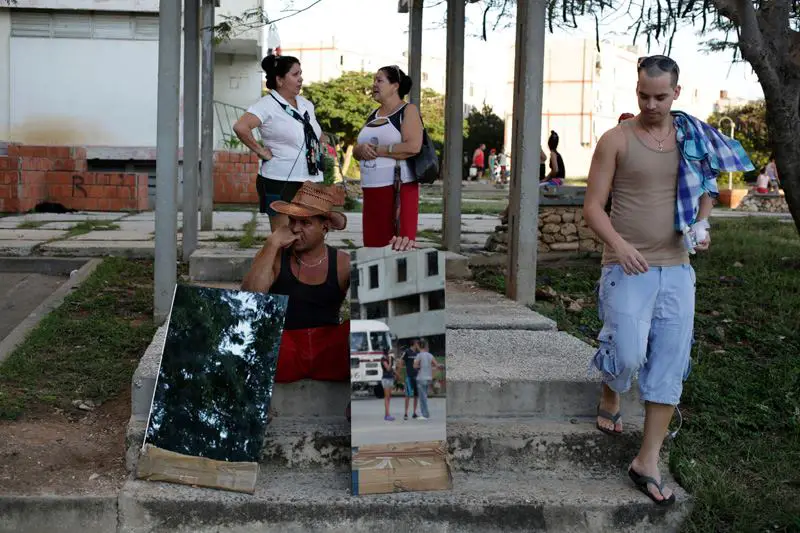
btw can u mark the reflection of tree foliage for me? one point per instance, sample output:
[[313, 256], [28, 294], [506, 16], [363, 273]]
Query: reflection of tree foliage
[[216, 376]]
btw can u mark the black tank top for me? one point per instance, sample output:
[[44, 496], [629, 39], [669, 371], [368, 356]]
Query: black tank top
[[310, 306]]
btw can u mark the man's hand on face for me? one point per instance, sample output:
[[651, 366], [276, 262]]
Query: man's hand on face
[[631, 261], [282, 237], [402, 244]]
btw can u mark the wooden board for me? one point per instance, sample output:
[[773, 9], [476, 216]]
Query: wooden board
[[156, 464], [410, 466]]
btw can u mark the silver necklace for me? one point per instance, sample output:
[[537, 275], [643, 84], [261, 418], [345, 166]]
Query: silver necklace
[[660, 142], [307, 265]]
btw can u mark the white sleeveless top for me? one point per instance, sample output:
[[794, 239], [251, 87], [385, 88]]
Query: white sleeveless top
[[380, 172]]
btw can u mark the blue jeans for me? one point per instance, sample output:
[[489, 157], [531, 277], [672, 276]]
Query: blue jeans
[[422, 392], [648, 323]]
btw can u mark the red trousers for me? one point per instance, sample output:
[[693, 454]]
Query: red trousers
[[378, 215], [322, 354]]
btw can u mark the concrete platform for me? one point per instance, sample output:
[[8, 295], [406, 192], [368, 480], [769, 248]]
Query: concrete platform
[[111, 236], [71, 248], [13, 248], [503, 373], [289, 501], [471, 307]]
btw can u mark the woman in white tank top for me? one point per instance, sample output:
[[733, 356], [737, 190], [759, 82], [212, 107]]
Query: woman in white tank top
[[392, 134]]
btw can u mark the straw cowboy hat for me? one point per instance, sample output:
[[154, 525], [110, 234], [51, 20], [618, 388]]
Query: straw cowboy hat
[[315, 199]]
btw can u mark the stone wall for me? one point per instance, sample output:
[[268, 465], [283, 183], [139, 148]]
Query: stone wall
[[764, 203], [561, 229]]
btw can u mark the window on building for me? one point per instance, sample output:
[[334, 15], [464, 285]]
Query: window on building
[[373, 277], [433, 263], [402, 270], [354, 283], [424, 76], [341, 60], [407, 305], [376, 310], [436, 300]]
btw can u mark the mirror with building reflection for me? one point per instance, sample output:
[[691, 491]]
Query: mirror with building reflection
[[398, 370], [217, 373]]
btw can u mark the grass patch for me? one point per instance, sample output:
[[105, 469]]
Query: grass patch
[[31, 224], [237, 208], [430, 235], [87, 226], [226, 238], [467, 208], [88, 348], [739, 450], [248, 240]]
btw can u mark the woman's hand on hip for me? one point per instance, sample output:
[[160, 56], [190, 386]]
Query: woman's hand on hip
[[265, 153]]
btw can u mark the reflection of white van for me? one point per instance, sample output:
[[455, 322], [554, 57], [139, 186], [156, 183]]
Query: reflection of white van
[[368, 339]]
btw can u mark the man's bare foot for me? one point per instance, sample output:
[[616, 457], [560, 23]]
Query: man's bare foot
[[649, 470], [609, 402]]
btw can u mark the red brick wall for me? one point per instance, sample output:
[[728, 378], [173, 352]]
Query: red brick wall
[[33, 174], [235, 177]]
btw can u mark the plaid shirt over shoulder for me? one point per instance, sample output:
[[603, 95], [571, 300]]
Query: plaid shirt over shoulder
[[705, 152]]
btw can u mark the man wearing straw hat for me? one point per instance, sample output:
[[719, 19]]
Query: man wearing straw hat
[[296, 261]]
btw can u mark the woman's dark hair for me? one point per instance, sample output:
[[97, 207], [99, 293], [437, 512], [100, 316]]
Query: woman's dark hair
[[395, 75], [552, 142], [277, 66]]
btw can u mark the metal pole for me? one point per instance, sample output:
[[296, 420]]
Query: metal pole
[[169, 61], [454, 128], [524, 194], [415, 49], [191, 123], [207, 121]]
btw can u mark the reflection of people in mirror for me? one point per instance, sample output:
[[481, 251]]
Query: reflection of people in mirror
[[392, 135], [387, 380], [295, 261], [409, 355], [425, 364]]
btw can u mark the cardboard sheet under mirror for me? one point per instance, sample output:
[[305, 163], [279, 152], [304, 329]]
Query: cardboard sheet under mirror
[[397, 298], [209, 412]]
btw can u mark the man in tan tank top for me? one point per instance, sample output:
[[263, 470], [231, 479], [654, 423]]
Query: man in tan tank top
[[646, 290]]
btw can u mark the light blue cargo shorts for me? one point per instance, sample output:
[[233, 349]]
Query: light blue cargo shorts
[[648, 325]]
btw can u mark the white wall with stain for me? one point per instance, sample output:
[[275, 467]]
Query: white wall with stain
[[5, 73], [83, 92]]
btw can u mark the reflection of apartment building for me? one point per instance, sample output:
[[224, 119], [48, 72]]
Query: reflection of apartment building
[[403, 290], [585, 91], [328, 59]]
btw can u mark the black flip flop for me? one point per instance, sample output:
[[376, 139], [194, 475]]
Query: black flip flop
[[608, 416], [642, 482]]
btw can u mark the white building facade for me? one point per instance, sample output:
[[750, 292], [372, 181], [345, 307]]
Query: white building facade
[[85, 72]]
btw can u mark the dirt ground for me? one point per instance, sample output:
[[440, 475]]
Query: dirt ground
[[65, 452]]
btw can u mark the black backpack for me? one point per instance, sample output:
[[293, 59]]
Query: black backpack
[[425, 165]]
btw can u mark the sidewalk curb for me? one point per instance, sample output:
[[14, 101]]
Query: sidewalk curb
[[58, 514], [23, 329]]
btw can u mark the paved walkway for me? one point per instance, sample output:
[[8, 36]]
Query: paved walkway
[[88, 234]]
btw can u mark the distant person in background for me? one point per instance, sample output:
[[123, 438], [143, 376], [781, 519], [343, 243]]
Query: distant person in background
[[478, 160], [289, 148], [557, 172], [772, 172], [409, 355], [392, 134], [762, 182], [492, 163], [542, 165], [502, 160], [425, 364], [387, 381]]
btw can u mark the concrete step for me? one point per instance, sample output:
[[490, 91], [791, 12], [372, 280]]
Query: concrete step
[[231, 264], [288, 501], [477, 445], [471, 307], [521, 373]]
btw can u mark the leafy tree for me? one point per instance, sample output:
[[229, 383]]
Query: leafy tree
[[764, 33], [751, 130], [484, 127], [342, 106]]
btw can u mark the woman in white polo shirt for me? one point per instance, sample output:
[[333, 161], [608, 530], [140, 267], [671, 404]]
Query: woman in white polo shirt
[[290, 135]]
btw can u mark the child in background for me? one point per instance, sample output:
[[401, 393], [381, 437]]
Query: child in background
[[762, 182]]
